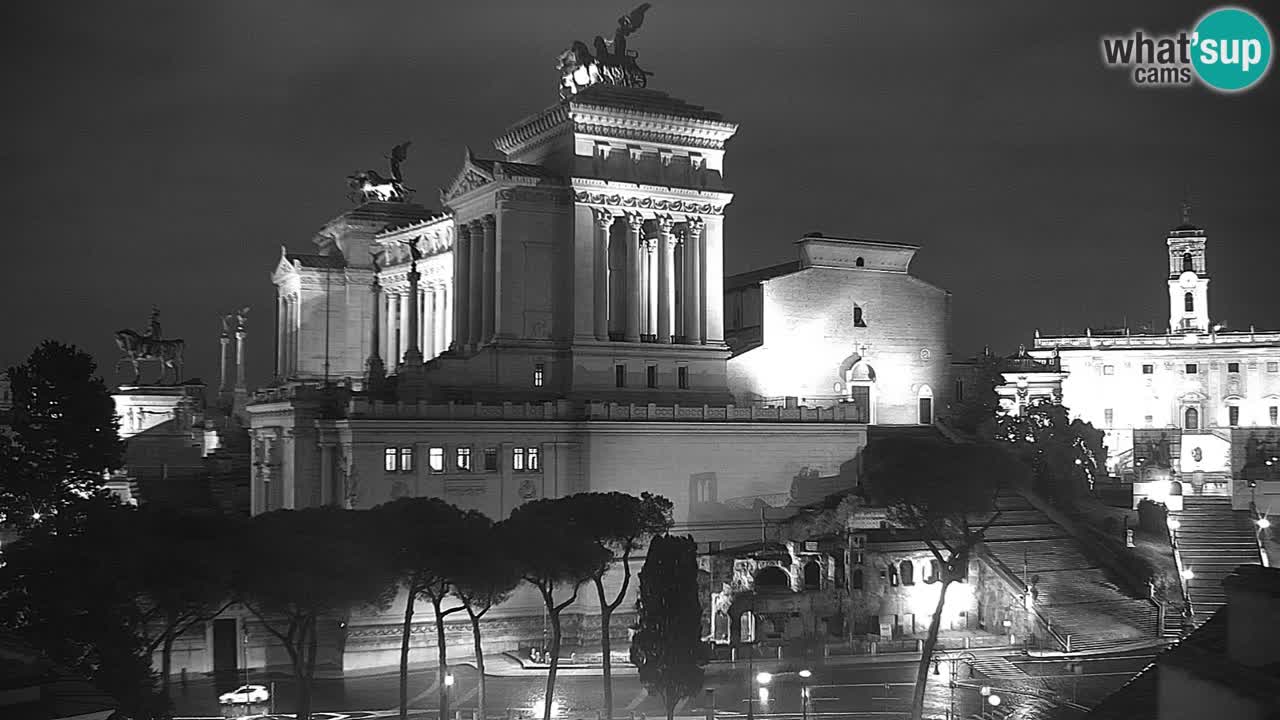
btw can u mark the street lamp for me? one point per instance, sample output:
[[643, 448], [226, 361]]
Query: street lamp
[[804, 693], [1187, 574]]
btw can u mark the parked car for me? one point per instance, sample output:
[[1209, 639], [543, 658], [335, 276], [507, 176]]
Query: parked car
[[245, 695]]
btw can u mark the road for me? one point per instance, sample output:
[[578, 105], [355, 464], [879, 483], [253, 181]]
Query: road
[[880, 690]]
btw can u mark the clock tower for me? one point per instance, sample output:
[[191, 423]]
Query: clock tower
[[1188, 277]]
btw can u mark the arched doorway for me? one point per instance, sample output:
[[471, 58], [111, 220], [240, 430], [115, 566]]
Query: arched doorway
[[924, 401], [772, 578], [812, 575], [1191, 419]]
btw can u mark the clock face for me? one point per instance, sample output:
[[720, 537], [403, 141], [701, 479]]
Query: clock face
[[1187, 279]]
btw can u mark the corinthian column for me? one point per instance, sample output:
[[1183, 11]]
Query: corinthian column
[[651, 287], [693, 282], [634, 223], [475, 324], [604, 221], [666, 278], [462, 284], [430, 318], [488, 306]]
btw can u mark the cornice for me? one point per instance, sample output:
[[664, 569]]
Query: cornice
[[651, 127], [627, 196], [529, 131]]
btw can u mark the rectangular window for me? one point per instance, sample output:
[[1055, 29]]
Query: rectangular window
[[682, 377], [1274, 413], [1233, 415], [532, 461], [435, 459], [1108, 369], [620, 375], [462, 459], [959, 390], [1192, 368], [389, 460], [538, 371], [1233, 367], [406, 459], [926, 411], [490, 459], [1148, 420], [1108, 416], [651, 376], [517, 459], [1148, 369], [1273, 367]]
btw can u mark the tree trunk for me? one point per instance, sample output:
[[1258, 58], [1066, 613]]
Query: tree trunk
[[926, 653], [475, 638], [555, 662], [166, 664], [671, 707], [443, 654], [304, 690], [404, 653], [606, 612]]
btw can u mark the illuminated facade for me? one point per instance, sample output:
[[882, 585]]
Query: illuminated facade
[[1197, 402]]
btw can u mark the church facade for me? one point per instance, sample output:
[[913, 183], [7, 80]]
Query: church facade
[[1198, 406]]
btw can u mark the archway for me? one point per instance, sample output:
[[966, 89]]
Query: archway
[[1191, 419], [772, 578], [812, 575]]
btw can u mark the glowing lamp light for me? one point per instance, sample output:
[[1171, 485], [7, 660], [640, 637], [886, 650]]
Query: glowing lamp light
[[764, 696], [1187, 574], [984, 691], [764, 678], [35, 516], [1174, 524], [1263, 523], [806, 674], [448, 681], [994, 700], [538, 708]]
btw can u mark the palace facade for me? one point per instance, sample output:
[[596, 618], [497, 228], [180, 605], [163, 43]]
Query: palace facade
[[1197, 405]]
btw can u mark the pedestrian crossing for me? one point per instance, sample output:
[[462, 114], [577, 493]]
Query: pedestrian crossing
[[996, 667]]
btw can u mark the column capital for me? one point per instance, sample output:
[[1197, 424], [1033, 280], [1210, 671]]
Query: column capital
[[489, 221], [604, 218], [665, 224], [464, 230], [635, 221], [696, 224]]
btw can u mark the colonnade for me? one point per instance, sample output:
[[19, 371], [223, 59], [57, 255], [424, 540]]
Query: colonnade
[[435, 326], [475, 265], [657, 295]]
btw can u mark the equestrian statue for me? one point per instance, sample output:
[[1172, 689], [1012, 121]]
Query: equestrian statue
[[369, 185], [135, 347]]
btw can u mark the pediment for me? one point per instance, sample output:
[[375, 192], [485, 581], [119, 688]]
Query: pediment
[[284, 267], [1192, 397], [470, 177]]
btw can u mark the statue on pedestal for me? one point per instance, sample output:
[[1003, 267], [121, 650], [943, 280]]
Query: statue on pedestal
[[614, 65], [369, 185], [135, 347]]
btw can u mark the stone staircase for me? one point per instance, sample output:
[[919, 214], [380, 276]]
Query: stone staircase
[[1213, 540], [1072, 591]]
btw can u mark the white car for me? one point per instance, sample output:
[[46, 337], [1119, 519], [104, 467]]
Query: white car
[[245, 695]]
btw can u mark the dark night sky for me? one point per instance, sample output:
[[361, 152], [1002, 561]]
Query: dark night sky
[[162, 152]]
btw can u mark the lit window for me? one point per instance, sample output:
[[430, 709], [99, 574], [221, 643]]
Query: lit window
[[620, 375], [682, 377], [389, 459], [463, 459], [538, 371], [651, 376], [1149, 420], [517, 459], [1192, 368], [490, 459], [1233, 367], [1108, 416], [533, 463], [406, 459], [907, 570], [435, 459], [1148, 369], [1108, 369], [1233, 415], [1273, 367]]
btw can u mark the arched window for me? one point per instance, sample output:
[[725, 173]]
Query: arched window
[[1188, 264], [1189, 302], [908, 572], [932, 575], [893, 576], [812, 575], [859, 262], [772, 578], [858, 320], [1192, 417], [856, 580]]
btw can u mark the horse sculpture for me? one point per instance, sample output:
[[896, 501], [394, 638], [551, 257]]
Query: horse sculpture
[[137, 347]]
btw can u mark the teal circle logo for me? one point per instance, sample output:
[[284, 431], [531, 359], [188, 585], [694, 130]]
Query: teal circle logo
[[1231, 49]]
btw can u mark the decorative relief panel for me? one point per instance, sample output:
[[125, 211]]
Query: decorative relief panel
[[647, 203], [466, 486]]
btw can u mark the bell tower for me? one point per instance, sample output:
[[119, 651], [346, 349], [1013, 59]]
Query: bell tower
[[1188, 277]]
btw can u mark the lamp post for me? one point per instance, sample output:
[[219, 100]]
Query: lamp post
[[952, 660], [804, 693], [244, 654]]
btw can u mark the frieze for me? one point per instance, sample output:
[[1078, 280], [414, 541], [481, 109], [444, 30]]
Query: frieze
[[651, 136], [558, 197], [464, 487], [648, 203]]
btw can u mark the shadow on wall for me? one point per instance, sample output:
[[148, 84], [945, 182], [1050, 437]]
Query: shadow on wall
[[809, 489]]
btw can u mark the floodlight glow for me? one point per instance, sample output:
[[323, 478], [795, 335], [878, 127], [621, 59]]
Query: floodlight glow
[[1263, 523], [764, 695], [538, 708], [448, 680], [1187, 574], [1174, 524], [764, 678], [806, 674], [994, 700], [984, 690]]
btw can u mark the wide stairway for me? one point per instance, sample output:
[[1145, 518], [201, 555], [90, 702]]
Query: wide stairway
[[1072, 591], [1212, 541]]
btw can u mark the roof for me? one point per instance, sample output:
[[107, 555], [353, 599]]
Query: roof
[[504, 167], [652, 102], [334, 262], [857, 241], [754, 277], [390, 214]]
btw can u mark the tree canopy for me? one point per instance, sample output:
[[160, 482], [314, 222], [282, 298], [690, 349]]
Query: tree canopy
[[1066, 456], [667, 648]]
